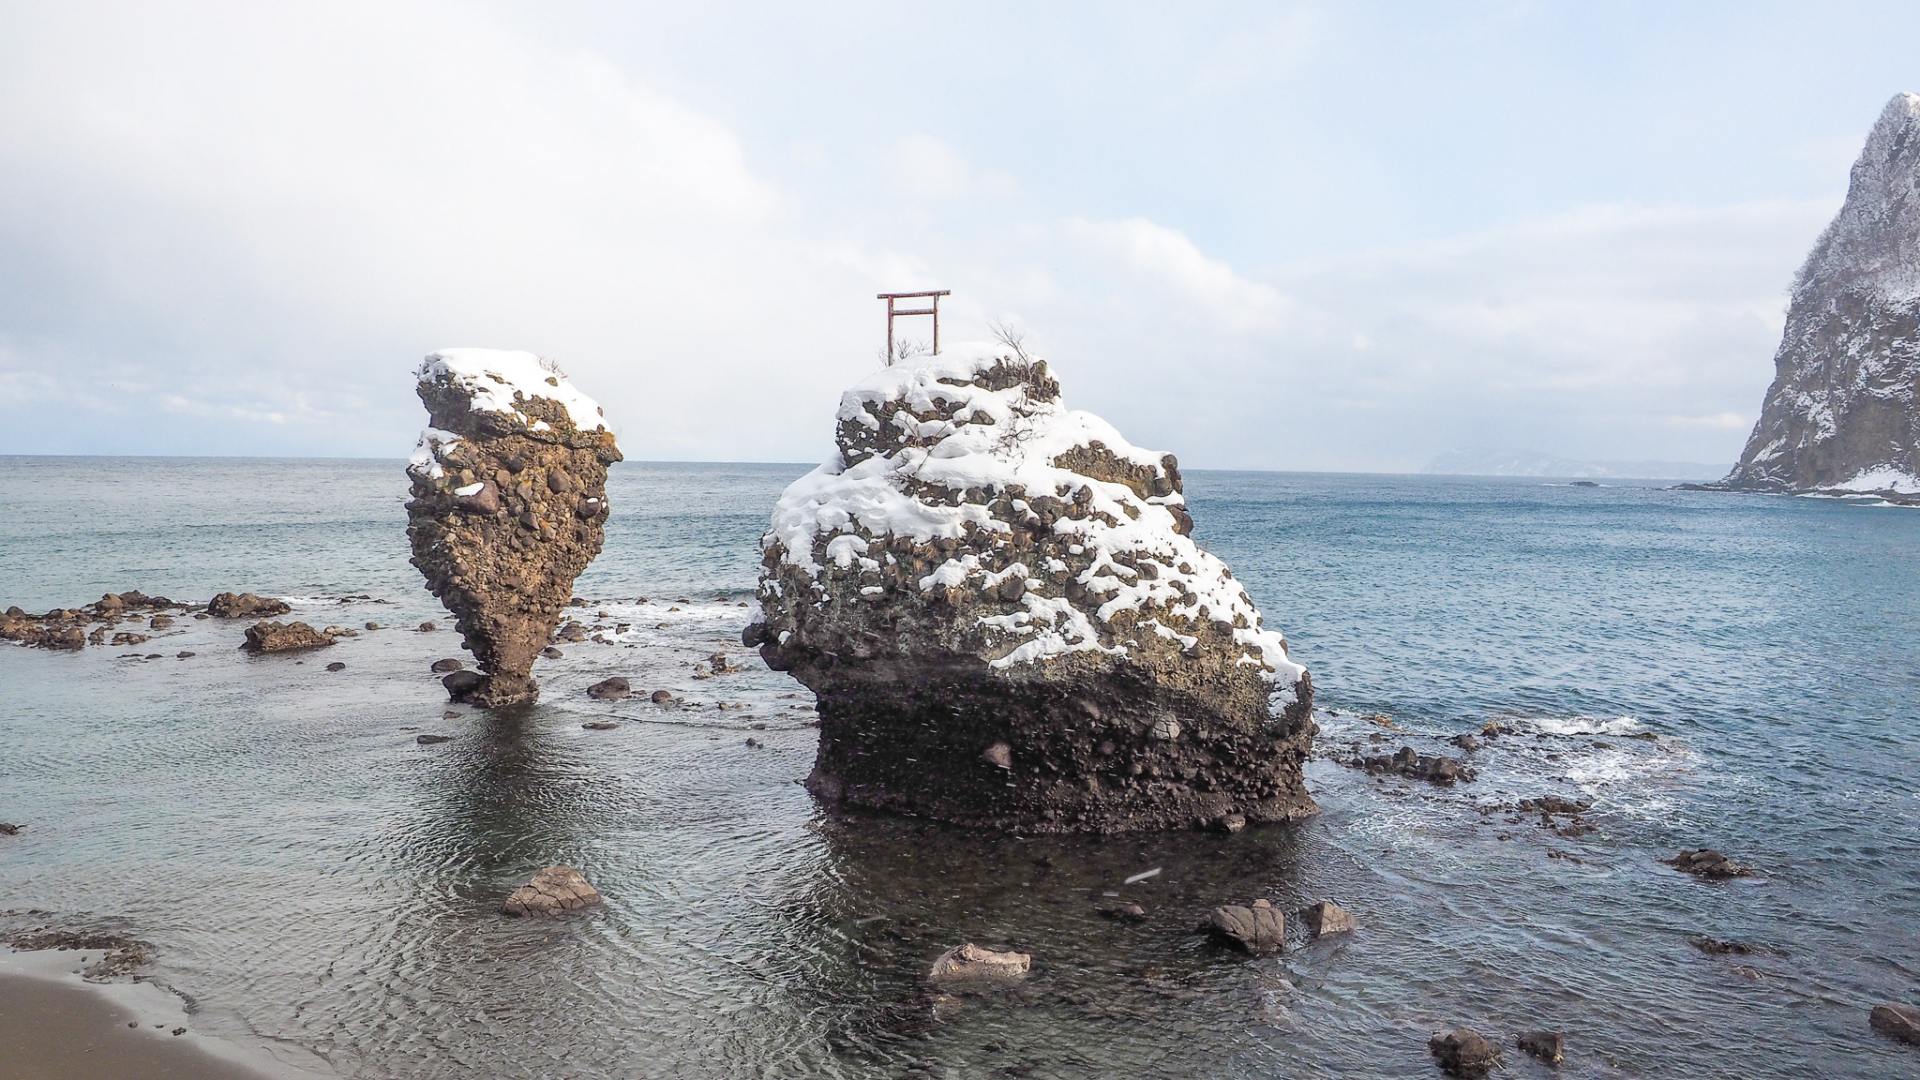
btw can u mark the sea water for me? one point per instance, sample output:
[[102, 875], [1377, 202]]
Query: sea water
[[1710, 670]]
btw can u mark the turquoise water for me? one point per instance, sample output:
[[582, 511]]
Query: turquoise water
[[318, 882]]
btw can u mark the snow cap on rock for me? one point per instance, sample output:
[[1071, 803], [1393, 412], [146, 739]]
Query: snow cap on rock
[[961, 446]]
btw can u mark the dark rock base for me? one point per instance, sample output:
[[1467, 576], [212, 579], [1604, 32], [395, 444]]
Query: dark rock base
[[1053, 758], [497, 691]]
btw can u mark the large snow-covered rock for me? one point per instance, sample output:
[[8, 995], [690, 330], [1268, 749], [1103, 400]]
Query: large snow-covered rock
[[1005, 621], [509, 498], [1843, 413]]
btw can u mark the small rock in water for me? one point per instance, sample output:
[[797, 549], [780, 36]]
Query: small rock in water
[[1257, 929], [449, 714], [999, 755], [1707, 863], [1900, 1021], [184, 655], [268, 637], [461, 684], [615, 687], [451, 663], [1714, 946], [1553, 804], [553, 891], [972, 963], [660, 697], [551, 653], [1406, 762], [337, 665], [372, 625], [1327, 917], [1462, 1052], [1125, 912], [753, 743], [599, 725], [1466, 741], [429, 740], [1548, 1046], [245, 606], [427, 627]]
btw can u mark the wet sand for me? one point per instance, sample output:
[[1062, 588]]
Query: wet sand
[[54, 1026]]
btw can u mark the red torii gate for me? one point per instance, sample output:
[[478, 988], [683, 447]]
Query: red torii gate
[[933, 309]]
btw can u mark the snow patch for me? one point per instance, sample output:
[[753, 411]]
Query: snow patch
[[494, 376], [426, 459], [1882, 478]]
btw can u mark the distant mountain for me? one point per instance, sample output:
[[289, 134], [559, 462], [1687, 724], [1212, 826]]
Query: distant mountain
[[1843, 413], [1484, 462]]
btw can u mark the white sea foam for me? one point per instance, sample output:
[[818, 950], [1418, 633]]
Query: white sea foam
[[1575, 725]]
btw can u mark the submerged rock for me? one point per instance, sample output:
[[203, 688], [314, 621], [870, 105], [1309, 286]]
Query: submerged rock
[[615, 687], [1900, 1021], [1547, 1046], [270, 637], [1707, 863], [1258, 929], [553, 891], [1434, 769], [997, 603], [973, 963], [1327, 917], [509, 500], [1464, 1052], [1714, 946]]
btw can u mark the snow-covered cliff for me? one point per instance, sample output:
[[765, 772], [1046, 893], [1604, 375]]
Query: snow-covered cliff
[[1843, 413]]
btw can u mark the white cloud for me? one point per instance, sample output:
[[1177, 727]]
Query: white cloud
[[311, 198], [928, 168], [1168, 256], [245, 222]]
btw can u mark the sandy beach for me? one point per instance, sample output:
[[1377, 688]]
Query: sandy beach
[[55, 1026]]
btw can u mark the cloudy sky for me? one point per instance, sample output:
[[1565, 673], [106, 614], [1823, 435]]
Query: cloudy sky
[[1280, 236]]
